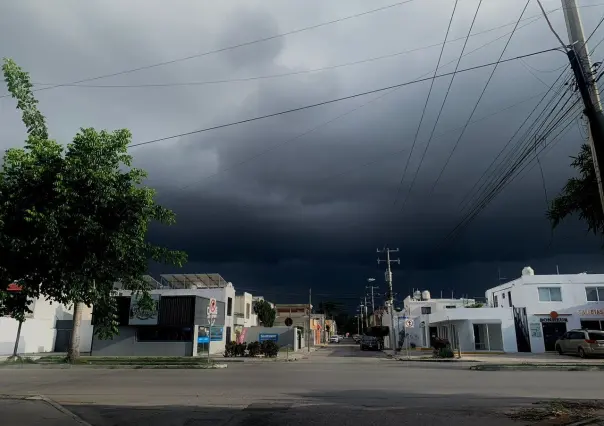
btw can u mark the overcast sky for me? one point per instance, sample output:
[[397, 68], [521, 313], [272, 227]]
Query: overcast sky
[[304, 199]]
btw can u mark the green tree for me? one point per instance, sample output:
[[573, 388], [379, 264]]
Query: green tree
[[266, 313], [14, 304], [74, 219], [580, 196]]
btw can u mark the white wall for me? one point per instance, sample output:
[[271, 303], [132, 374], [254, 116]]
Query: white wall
[[38, 332]]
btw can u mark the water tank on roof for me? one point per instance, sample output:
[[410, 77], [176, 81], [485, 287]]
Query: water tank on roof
[[425, 295], [527, 270], [417, 295]]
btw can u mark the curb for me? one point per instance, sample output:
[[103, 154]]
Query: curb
[[50, 402], [521, 367]]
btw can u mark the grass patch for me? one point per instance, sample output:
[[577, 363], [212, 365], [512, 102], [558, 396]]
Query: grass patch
[[144, 361], [18, 360], [559, 410]]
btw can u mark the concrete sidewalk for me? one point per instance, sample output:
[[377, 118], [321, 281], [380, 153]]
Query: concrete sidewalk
[[36, 411]]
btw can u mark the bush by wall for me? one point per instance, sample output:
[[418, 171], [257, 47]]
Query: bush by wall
[[253, 349], [269, 349]]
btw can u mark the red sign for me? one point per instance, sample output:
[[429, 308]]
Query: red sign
[[14, 287]]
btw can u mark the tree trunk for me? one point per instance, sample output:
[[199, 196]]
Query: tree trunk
[[16, 348], [74, 345]]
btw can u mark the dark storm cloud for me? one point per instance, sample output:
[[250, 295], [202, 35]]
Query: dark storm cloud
[[263, 204]]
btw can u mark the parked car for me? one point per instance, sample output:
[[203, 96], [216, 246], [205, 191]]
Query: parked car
[[334, 339], [369, 342], [584, 343]]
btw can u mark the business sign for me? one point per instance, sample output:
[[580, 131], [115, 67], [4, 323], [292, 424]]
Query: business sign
[[203, 339], [535, 329], [558, 319], [265, 337], [139, 315], [599, 312], [216, 333], [241, 338]]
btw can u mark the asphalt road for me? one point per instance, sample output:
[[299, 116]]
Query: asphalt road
[[337, 386]]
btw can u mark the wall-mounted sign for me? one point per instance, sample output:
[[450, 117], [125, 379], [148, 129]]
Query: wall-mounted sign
[[140, 315], [535, 329], [558, 319], [216, 333], [203, 339], [591, 312], [264, 337]]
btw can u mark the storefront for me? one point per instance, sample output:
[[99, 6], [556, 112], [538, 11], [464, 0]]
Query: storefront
[[592, 319]]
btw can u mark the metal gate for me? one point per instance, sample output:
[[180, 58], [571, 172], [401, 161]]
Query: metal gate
[[63, 336]]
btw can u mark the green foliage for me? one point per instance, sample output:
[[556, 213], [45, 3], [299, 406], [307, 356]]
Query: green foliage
[[266, 314], [74, 220], [229, 349], [253, 349], [444, 353], [14, 304], [269, 348], [580, 196]]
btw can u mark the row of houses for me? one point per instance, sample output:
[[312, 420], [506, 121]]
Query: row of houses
[[527, 314], [179, 326]]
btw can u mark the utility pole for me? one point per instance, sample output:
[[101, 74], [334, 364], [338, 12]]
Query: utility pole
[[309, 311], [372, 287], [388, 277], [580, 61]]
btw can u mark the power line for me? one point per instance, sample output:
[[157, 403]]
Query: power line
[[236, 46], [421, 120], [478, 102], [262, 117], [442, 106], [323, 124], [533, 19]]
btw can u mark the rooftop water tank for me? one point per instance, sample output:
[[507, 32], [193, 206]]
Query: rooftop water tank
[[417, 295], [527, 270], [425, 295]]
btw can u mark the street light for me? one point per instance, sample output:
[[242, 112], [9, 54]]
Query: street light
[[370, 280]]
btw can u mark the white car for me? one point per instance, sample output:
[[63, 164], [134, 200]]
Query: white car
[[334, 339]]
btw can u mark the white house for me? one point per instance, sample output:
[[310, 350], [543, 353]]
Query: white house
[[46, 329], [546, 306], [524, 315]]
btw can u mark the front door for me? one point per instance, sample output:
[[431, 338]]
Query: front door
[[552, 331]]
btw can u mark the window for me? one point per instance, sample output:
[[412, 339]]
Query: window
[[247, 310], [592, 324], [550, 294], [230, 306], [510, 299], [594, 335], [164, 334], [450, 307], [228, 334], [594, 294], [495, 302], [576, 335], [426, 310]]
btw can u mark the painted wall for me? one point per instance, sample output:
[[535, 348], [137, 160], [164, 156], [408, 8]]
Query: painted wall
[[125, 344], [38, 332], [287, 336]]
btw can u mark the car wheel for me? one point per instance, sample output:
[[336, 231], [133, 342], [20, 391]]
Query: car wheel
[[582, 353], [559, 349]]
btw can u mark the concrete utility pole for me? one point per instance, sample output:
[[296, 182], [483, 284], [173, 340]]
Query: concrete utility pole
[[388, 277], [372, 287], [580, 62], [309, 311]]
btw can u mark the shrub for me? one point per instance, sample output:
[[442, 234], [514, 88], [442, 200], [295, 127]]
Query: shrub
[[269, 349], [240, 349], [445, 353], [413, 346], [230, 349], [253, 349]]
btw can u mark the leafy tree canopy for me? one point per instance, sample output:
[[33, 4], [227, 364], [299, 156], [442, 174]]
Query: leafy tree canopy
[[580, 196], [74, 219], [266, 314]]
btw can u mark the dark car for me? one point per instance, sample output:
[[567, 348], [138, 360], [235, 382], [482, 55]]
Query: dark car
[[369, 342]]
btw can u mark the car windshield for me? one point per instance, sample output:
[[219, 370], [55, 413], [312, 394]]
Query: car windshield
[[596, 335]]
